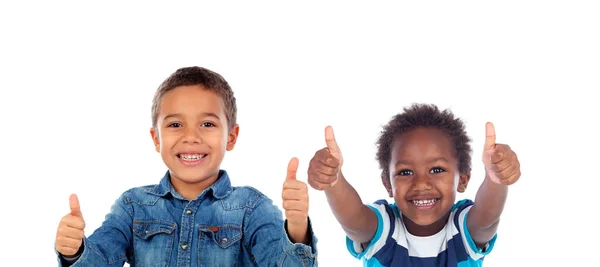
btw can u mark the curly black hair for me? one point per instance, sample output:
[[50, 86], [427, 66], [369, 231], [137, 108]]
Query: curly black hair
[[429, 116]]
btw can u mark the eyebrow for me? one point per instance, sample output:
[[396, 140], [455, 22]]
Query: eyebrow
[[405, 162], [203, 114]]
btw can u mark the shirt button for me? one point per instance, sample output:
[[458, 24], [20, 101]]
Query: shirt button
[[224, 240], [188, 212], [184, 246]]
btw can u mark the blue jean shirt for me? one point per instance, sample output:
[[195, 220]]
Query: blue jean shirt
[[225, 226]]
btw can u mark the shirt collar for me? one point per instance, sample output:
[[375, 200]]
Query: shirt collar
[[221, 188]]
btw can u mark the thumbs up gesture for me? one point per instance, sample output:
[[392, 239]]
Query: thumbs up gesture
[[69, 235], [325, 166], [501, 163], [295, 204]]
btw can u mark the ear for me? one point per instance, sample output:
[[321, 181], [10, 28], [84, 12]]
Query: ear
[[155, 139], [386, 183], [232, 137], [463, 180]]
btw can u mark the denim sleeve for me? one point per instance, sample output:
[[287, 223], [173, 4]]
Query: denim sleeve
[[110, 243], [268, 241]]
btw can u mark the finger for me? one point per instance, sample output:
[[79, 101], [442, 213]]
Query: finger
[[325, 169], [506, 172], [490, 136], [500, 163], [294, 185], [70, 232], [320, 177], [511, 179], [330, 161], [318, 185], [330, 141], [73, 221], [297, 205], [294, 194], [512, 170], [324, 157], [501, 152], [68, 242], [294, 216], [74, 204], [292, 169], [516, 177]]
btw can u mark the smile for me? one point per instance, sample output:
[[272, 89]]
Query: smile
[[191, 157], [425, 202]]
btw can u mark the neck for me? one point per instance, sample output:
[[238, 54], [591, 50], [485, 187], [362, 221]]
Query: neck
[[425, 230]]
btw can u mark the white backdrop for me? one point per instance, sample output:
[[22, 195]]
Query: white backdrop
[[77, 81]]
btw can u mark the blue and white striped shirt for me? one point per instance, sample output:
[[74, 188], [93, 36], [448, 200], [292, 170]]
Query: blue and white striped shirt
[[393, 245]]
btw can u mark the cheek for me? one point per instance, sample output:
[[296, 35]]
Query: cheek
[[216, 140], [447, 183], [399, 185]]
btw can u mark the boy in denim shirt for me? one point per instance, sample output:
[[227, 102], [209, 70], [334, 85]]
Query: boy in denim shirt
[[194, 217]]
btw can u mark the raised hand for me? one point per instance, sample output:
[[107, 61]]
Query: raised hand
[[69, 235], [295, 204], [325, 167], [501, 163]]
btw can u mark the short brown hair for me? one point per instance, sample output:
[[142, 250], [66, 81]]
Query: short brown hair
[[197, 76]]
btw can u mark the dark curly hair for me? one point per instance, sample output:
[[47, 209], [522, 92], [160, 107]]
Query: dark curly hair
[[195, 75], [429, 116]]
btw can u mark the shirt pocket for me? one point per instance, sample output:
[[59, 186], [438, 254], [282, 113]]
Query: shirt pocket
[[219, 245], [153, 242]]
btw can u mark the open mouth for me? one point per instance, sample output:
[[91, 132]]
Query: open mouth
[[424, 202], [191, 157]]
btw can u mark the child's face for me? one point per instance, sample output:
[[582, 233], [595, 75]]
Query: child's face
[[192, 134], [424, 176]]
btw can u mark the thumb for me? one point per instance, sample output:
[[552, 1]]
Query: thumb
[[490, 136], [74, 204], [292, 169], [330, 141]]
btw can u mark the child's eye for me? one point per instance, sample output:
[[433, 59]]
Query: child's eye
[[436, 170], [208, 124], [404, 172], [174, 125]]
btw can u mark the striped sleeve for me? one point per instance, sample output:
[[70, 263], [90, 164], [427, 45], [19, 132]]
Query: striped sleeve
[[385, 218], [474, 252]]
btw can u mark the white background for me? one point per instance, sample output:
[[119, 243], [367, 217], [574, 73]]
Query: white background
[[77, 82]]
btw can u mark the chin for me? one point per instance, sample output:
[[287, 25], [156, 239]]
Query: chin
[[424, 221], [192, 177]]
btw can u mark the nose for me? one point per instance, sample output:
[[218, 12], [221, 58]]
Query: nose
[[422, 182], [192, 136]]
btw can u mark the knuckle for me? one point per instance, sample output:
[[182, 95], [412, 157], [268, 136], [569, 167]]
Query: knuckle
[[70, 251], [303, 187]]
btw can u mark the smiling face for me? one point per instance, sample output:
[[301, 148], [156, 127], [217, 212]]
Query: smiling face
[[424, 179], [192, 136]]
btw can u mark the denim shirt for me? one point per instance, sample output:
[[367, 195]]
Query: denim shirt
[[225, 226]]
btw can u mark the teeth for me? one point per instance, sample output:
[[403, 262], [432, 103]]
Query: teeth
[[191, 157], [424, 202]]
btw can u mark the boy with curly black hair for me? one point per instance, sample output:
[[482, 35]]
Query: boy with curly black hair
[[425, 158]]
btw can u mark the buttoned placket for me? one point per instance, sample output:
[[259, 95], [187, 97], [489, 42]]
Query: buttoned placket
[[186, 235]]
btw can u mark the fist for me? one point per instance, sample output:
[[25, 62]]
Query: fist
[[295, 197], [69, 235], [501, 163], [325, 167]]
